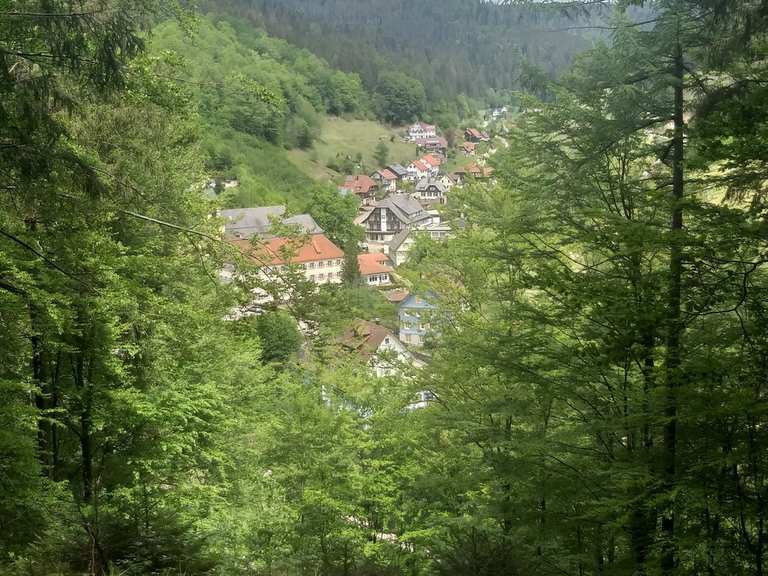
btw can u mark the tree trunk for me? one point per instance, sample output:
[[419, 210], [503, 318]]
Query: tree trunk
[[674, 320]]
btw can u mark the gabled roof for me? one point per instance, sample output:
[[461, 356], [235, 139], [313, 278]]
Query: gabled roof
[[420, 165], [373, 263], [247, 222], [364, 338], [432, 160], [360, 184], [282, 250], [425, 183], [417, 301], [404, 206], [403, 203], [474, 169], [398, 169], [397, 296], [474, 132], [398, 239], [387, 174], [469, 146]]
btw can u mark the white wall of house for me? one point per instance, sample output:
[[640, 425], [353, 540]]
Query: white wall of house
[[417, 131], [390, 357], [378, 279], [324, 271]]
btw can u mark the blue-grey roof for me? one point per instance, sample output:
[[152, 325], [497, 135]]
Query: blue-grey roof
[[247, 222]]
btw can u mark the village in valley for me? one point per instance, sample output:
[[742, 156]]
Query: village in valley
[[398, 204]]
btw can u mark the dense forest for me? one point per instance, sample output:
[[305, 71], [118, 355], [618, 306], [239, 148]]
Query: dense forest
[[598, 351], [454, 47]]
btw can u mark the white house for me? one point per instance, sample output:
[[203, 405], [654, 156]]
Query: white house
[[421, 131], [386, 179], [319, 259], [389, 216], [377, 346], [375, 268], [430, 191]]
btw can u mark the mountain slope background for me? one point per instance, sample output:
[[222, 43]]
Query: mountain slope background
[[453, 47]]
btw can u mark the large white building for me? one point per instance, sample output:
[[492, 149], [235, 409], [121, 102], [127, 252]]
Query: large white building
[[421, 131], [394, 213], [319, 259]]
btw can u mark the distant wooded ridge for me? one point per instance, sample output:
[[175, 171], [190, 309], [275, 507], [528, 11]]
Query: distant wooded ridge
[[475, 48]]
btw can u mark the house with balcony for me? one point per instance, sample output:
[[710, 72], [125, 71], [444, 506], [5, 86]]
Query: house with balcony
[[414, 315], [389, 216], [421, 131]]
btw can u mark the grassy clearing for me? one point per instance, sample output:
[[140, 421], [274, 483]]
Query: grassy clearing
[[341, 138]]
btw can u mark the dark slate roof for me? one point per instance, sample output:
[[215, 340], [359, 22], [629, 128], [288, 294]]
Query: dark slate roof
[[398, 239], [399, 170], [425, 183]]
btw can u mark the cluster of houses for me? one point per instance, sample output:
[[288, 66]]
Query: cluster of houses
[[398, 205]]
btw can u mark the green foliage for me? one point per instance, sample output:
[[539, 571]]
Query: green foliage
[[400, 98], [455, 47], [256, 94], [381, 154], [279, 336], [598, 368], [335, 214]]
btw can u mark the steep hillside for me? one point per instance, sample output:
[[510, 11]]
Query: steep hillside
[[257, 97]]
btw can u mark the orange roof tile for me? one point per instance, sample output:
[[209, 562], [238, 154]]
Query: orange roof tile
[[373, 263], [358, 184], [296, 250], [433, 161]]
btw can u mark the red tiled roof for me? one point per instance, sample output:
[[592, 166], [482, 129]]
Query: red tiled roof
[[373, 263], [433, 161], [475, 170], [387, 174], [397, 296], [358, 184], [364, 338], [475, 133], [298, 250]]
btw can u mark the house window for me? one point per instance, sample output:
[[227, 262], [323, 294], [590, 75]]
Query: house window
[[321, 277], [311, 265]]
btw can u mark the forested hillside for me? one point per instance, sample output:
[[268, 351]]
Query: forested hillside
[[562, 374], [256, 96], [451, 47]]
